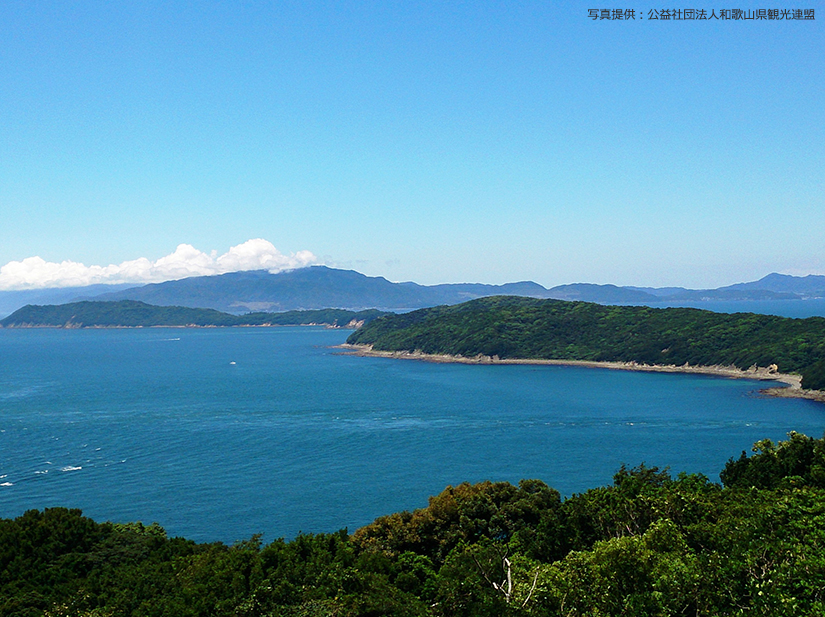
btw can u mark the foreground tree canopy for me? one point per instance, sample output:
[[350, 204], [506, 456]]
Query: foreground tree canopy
[[512, 327], [647, 545]]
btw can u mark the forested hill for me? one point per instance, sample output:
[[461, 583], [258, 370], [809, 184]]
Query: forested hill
[[527, 328], [647, 545], [131, 313]]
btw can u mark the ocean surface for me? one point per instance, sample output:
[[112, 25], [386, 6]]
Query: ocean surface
[[221, 433]]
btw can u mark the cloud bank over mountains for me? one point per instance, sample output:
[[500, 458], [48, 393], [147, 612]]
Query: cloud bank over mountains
[[186, 261]]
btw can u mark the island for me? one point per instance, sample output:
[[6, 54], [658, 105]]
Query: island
[[136, 314], [518, 330]]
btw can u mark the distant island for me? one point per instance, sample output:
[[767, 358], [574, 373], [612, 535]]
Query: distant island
[[134, 314], [510, 328]]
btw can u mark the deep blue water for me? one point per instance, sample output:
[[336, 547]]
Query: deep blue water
[[157, 424]]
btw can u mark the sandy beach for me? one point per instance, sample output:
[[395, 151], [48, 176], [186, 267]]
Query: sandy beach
[[792, 387]]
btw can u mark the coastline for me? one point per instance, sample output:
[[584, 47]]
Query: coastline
[[791, 389], [73, 326]]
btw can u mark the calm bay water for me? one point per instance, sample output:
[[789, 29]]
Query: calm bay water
[[218, 434]]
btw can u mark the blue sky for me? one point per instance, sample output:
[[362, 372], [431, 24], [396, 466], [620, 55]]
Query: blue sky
[[435, 142]]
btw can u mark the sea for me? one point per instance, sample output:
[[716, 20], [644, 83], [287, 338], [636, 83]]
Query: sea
[[221, 433]]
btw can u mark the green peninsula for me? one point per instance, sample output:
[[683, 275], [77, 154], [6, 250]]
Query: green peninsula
[[134, 314], [528, 328]]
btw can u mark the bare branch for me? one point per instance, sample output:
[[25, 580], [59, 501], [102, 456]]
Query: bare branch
[[532, 589]]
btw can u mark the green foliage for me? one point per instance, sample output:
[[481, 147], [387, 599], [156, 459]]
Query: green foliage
[[654, 573], [648, 545], [320, 317], [800, 461], [463, 515], [813, 376], [512, 327]]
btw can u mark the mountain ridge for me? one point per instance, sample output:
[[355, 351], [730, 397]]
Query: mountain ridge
[[321, 287], [310, 288]]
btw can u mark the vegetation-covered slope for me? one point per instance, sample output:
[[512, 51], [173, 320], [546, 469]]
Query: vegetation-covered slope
[[130, 313], [648, 545], [528, 328]]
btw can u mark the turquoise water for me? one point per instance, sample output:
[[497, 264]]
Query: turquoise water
[[218, 434]]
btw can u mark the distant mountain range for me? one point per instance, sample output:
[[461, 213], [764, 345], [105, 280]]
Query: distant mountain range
[[320, 287], [771, 287], [315, 287]]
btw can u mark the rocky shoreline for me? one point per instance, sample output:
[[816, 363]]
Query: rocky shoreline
[[791, 389]]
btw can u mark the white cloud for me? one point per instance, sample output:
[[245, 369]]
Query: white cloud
[[257, 254]]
